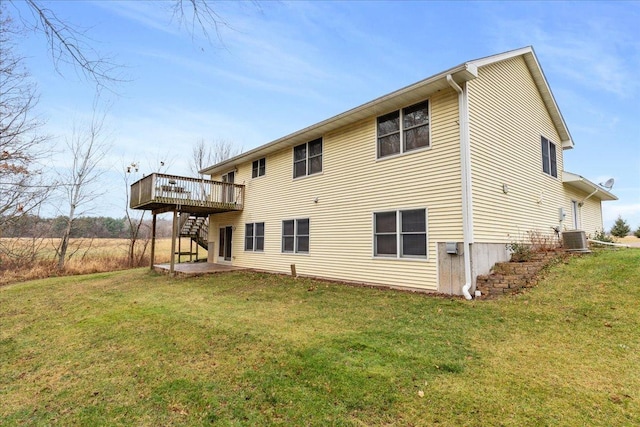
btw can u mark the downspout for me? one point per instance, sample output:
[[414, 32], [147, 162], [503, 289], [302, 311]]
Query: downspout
[[465, 164]]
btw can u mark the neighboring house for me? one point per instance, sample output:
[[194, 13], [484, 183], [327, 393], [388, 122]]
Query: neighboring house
[[418, 189]]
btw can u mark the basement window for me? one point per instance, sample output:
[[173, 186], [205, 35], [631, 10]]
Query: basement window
[[295, 235], [254, 237], [400, 234]]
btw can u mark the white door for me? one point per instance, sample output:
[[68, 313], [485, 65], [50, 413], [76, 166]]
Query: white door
[[575, 210]]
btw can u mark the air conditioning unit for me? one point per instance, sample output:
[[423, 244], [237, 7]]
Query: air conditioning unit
[[575, 241]]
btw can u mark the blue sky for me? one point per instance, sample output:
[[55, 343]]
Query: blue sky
[[281, 66]]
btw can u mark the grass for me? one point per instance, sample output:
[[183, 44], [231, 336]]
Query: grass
[[136, 348]]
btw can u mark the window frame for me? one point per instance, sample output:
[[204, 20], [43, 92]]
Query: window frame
[[296, 236], [258, 166], [308, 158], [402, 130], [254, 238], [399, 234], [550, 160]]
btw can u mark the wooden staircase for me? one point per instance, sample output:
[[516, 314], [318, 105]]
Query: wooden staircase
[[196, 228]]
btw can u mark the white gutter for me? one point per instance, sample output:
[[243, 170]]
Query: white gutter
[[465, 164]]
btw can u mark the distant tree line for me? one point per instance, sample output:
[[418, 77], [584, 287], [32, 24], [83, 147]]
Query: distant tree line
[[33, 226]]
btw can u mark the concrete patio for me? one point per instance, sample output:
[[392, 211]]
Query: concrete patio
[[195, 268]]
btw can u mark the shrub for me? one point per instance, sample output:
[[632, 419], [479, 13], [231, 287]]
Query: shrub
[[541, 242], [601, 236], [620, 227], [520, 252], [637, 232]]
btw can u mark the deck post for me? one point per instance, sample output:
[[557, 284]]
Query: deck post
[[153, 242], [180, 242], [174, 231]]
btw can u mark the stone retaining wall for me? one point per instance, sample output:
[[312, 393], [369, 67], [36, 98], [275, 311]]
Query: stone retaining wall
[[510, 277]]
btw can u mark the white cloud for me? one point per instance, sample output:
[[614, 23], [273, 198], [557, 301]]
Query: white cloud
[[596, 53], [153, 15]]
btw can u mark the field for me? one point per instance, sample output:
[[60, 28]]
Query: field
[[136, 348], [36, 259], [629, 240]]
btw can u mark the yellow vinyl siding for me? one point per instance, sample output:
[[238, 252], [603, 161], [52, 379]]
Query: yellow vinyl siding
[[590, 212], [352, 186], [507, 119]]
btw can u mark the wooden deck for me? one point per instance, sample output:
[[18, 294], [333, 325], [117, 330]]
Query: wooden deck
[[195, 268], [163, 193]]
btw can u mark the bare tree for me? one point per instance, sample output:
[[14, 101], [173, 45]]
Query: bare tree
[[70, 44], [138, 228], [22, 188], [206, 154], [199, 13], [87, 148]]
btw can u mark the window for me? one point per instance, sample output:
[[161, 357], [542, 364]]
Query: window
[[258, 168], [549, 160], [404, 130], [400, 234], [254, 237], [307, 158], [295, 235]]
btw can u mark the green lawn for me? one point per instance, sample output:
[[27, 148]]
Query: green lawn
[[136, 348]]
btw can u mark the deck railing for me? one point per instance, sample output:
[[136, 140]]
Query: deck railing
[[179, 190]]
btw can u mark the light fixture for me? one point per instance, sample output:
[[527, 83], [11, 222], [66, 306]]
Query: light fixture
[[505, 188], [315, 200]]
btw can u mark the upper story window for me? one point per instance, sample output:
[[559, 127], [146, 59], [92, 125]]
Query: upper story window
[[404, 130], [307, 158], [400, 234], [549, 159], [258, 168]]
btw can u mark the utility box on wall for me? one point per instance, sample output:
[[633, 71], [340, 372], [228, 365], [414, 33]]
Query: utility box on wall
[[452, 248]]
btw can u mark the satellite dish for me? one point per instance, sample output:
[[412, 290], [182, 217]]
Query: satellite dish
[[608, 184]]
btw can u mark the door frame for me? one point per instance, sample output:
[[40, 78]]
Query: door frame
[[576, 217], [225, 244], [228, 192]]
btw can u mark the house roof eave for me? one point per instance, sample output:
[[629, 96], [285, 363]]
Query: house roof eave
[[583, 184], [406, 96]]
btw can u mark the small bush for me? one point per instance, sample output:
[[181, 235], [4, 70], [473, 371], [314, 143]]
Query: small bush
[[601, 236], [541, 242], [520, 252], [637, 232]]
